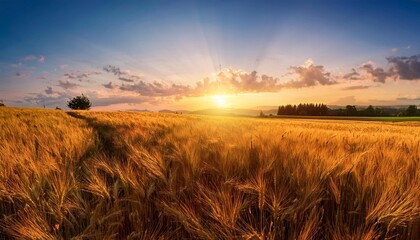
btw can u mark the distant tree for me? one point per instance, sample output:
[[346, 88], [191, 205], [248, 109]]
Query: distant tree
[[369, 111], [79, 103], [262, 114], [2, 104], [306, 109], [351, 110], [411, 110]]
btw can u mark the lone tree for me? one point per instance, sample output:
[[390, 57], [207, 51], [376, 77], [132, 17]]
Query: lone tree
[[79, 103]]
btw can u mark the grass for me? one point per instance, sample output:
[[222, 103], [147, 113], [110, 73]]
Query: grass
[[122, 175], [354, 118]]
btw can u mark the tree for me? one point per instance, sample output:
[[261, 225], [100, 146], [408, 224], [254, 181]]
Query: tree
[[369, 111], [79, 103], [411, 110], [351, 110], [2, 104]]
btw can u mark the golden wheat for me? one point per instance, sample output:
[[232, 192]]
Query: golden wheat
[[123, 175]]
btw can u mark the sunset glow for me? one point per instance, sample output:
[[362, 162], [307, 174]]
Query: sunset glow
[[220, 101], [154, 55]]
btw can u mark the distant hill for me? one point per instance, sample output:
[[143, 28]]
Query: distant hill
[[233, 112], [138, 110], [176, 111]]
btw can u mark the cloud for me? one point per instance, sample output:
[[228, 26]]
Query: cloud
[[344, 101], [60, 99], [402, 68], [237, 81], [49, 90], [106, 101], [41, 59], [394, 50], [227, 81], [405, 68], [29, 58], [62, 66], [113, 69], [408, 98], [125, 76], [310, 75], [376, 74], [353, 75], [15, 65], [66, 84], [80, 75], [57, 99], [356, 87], [18, 74], [126, 79], [110, 85], [156, 89]]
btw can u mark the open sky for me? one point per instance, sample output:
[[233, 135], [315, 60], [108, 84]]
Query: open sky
[[181, 54]]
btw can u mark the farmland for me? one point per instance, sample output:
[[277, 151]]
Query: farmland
[[125, 175]]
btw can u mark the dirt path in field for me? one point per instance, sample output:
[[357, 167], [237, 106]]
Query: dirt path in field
[[107, 142]]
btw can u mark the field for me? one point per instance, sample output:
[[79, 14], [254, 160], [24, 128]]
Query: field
[[122, 175], [377, 119]]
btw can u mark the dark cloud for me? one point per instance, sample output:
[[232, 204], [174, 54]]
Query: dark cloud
[[126, 79], [156, 89], [49, 90], [356, 87], [125, 76], [80, 75], [110, 85], [405, 68], [353, 75], [66, 84], [376, 74], [402, 68], [113, 69], [310, 75], [408, 99]]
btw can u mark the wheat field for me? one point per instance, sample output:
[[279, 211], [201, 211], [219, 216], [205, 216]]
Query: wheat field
[[124, 175]]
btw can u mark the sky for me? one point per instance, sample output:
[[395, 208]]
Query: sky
[[203, 54]]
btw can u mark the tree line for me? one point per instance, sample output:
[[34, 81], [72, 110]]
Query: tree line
[[310, 109]]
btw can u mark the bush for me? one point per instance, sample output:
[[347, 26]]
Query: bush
[[79, 103]]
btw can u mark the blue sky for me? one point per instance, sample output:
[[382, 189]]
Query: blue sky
[[302, 51]]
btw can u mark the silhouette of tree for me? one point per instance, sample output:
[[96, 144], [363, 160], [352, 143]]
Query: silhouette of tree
[[351, 110], [79, 103], [303, 109], [369, 111], [411, 110]]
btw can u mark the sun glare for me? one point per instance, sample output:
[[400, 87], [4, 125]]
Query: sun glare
[[219, 100]]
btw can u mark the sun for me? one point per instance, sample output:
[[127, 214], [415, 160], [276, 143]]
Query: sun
[[220, 101]]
